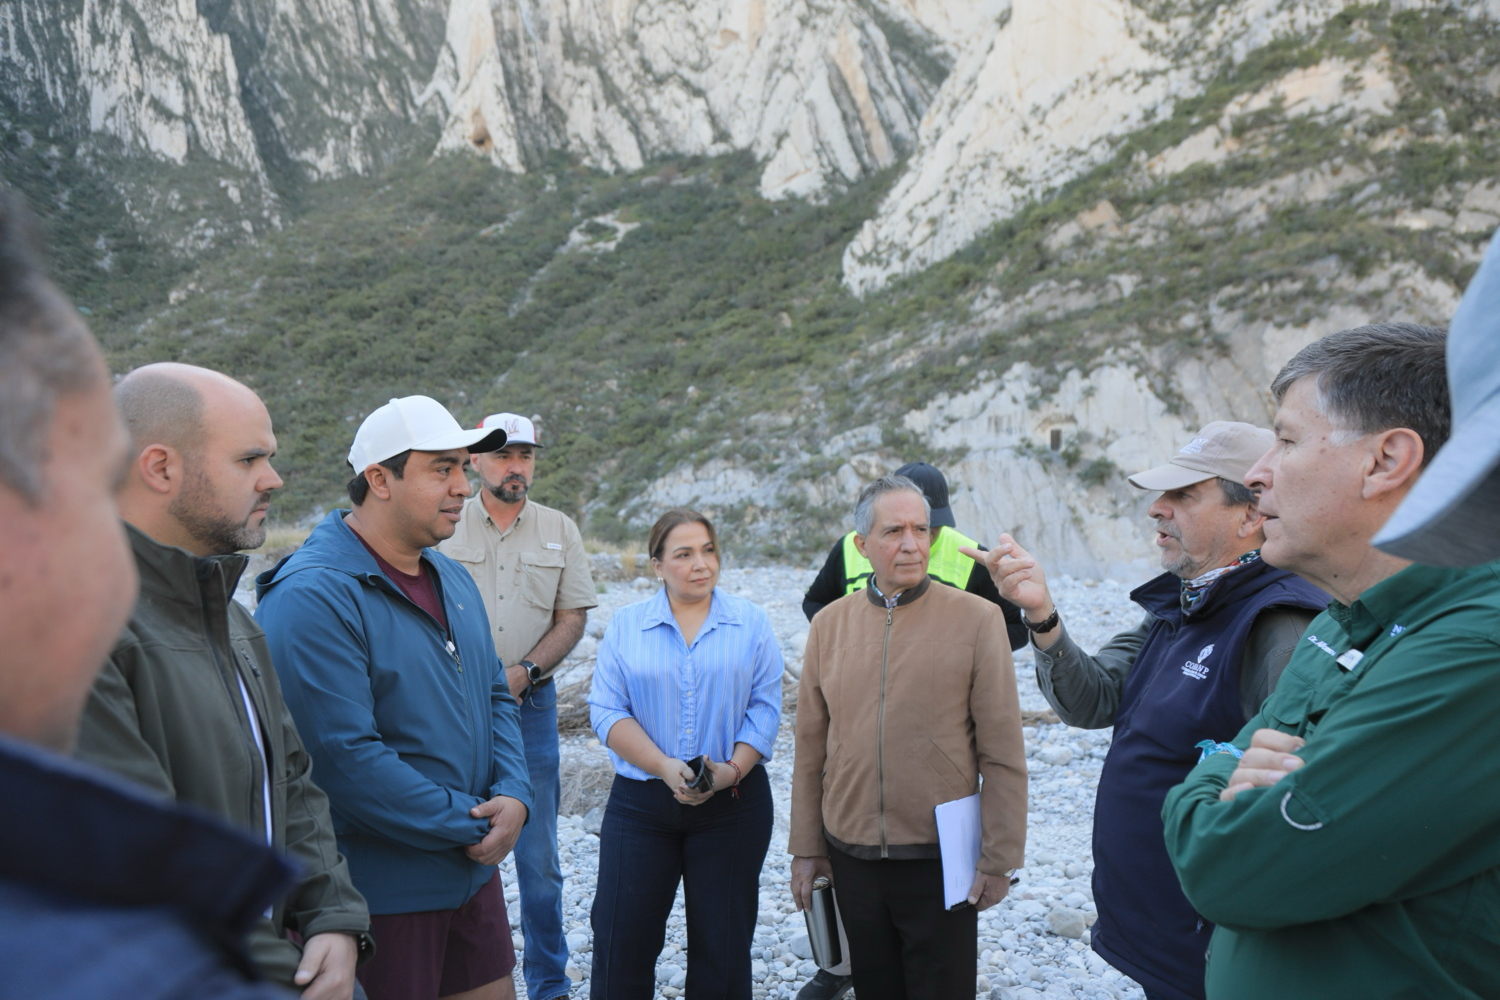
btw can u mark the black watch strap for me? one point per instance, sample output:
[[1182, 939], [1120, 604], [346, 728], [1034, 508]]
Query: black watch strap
[[533, 672], [1045, 625]]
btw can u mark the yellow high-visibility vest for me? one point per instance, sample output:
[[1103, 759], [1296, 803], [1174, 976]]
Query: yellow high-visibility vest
[[944, 562]]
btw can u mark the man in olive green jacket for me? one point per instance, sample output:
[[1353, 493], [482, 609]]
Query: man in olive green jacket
[[188, 704], [1348, 843]]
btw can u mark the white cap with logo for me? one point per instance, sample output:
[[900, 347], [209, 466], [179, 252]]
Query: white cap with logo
[[415, 423], [1224, 449], [518, 430]]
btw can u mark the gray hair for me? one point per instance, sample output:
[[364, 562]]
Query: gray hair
[[45, 353], [864, 508], [1374, 378], [1236, 494]]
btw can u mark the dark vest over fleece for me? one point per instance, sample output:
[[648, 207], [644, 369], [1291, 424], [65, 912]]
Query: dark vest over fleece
[[1183, 687]]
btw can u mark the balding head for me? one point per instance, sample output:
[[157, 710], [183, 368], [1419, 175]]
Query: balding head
[[202, 476], [163, 403]]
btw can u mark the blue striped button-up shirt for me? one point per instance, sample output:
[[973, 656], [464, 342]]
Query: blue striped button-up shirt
[[723, 689]]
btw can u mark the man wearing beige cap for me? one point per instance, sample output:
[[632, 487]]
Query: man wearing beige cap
[[1219, 626], [529, 564]]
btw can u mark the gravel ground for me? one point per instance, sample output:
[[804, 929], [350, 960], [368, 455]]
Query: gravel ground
[[1033, 945]]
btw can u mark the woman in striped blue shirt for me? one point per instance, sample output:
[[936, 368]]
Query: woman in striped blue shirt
[[691, 671]]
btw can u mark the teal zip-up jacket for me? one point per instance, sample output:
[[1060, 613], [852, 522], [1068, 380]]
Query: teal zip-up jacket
[[409, 727], [1373, 871]]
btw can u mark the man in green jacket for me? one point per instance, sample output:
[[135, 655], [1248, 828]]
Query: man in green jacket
[[1353, 850], [188, 704]]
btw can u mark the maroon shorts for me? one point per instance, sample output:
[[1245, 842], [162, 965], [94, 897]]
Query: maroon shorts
[[423, 956]]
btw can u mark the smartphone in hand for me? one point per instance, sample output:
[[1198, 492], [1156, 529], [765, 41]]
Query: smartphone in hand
[[703, 775]]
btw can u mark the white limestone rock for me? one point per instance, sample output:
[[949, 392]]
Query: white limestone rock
[[149, 73], [1048, 96], [814, 89]]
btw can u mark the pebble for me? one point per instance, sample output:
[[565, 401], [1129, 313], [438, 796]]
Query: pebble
[[1022, 955], [593, 821], [1066, 922], [1056, 756]]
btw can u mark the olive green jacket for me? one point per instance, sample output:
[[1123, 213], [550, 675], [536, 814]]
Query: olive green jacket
[[167, 713], [1373, 871]]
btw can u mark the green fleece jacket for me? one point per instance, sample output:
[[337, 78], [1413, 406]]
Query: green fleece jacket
[[1374, 870], [167, 713]]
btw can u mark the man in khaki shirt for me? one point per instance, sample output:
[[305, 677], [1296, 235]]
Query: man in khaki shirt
[[529, 564]]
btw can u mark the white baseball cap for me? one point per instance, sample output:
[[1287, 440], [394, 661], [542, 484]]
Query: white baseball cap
[[415, 423], [518, 430]]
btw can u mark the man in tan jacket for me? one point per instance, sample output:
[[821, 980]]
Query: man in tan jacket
[[908, 697]]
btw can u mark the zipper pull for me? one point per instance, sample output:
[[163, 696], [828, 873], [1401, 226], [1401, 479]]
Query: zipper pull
[[453, 652], [888, 613]]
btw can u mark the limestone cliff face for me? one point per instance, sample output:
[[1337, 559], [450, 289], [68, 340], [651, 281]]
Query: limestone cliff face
[[1039, 102], [1047, 97], [201, 113], [332, 86], [155, 78], [821, 91]]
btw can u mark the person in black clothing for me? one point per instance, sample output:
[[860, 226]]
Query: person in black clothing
[[832, 581]]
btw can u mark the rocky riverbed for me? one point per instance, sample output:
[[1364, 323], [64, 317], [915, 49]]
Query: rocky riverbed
[[1033, 945]]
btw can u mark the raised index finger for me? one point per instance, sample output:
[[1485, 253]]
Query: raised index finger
[[985, 559]]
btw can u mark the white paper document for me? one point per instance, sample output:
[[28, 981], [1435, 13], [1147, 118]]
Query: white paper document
[[959, 841]]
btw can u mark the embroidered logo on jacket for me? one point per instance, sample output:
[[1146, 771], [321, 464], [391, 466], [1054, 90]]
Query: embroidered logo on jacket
[[1323, 646], [1195, 668]]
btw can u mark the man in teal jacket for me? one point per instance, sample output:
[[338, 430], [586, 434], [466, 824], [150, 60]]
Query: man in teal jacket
[[387, 665], [1354, 849]]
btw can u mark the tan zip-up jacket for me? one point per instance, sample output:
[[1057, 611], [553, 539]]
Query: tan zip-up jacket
[[900, 710]]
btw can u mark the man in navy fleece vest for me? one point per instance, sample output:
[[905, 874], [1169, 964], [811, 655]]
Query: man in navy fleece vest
[[1219, 625]]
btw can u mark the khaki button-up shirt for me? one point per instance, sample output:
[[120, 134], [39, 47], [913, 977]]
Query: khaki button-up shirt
[[525, 573]]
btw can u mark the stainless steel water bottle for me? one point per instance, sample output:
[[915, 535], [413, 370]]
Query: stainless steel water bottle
[[823, 925]]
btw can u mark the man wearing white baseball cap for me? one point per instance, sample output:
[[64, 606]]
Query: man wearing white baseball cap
[[528, 561], [1219, 626], [389, 669]]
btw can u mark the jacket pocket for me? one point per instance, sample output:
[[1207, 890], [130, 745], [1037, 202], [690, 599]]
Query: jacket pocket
[[540, 574], [954, 778]]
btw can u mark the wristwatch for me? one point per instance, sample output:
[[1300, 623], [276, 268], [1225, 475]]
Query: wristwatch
[[1045, 625], [533, 672]]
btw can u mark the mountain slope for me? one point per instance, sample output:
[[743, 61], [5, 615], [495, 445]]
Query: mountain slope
[[1058, 90], [688, 340]]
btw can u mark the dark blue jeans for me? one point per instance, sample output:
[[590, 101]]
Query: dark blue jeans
[[538, 874], [650, 842]]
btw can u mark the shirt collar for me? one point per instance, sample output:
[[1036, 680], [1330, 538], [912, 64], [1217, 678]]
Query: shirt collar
[[1379, 607], [659, 612], [525, 503], [902, 599]]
